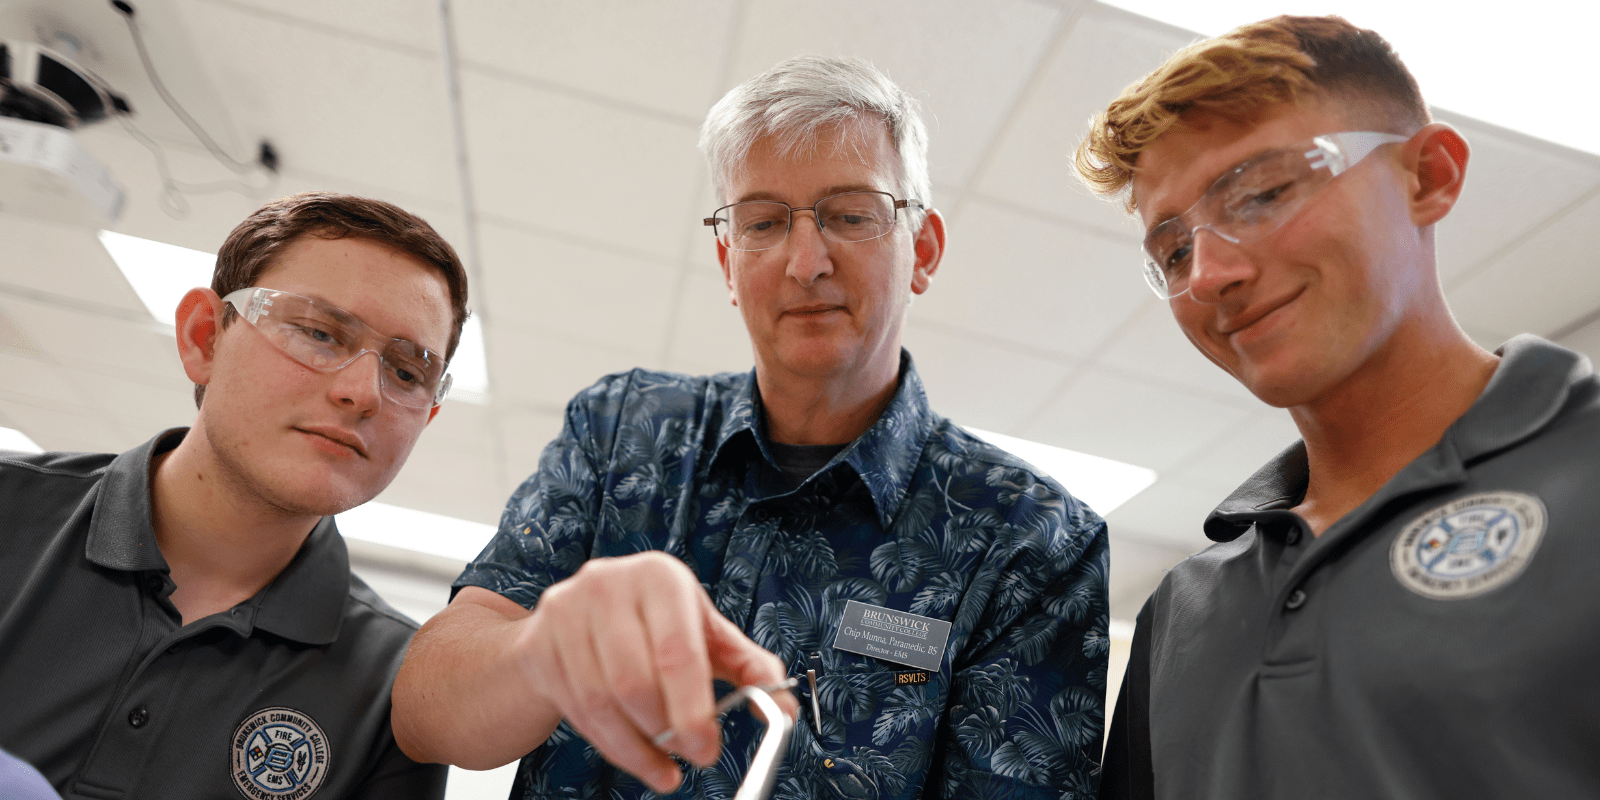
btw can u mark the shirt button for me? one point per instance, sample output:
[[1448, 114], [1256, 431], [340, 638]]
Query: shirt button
[[138, 717], [1293, 537], [762, 515], [1297, 598]]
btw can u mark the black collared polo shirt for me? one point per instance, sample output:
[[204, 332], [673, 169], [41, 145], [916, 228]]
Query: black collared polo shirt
[[1437, 642], [283, 697]]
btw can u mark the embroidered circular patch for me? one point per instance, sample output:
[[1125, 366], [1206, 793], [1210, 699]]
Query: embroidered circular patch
[[1468, 546], [279, 754]]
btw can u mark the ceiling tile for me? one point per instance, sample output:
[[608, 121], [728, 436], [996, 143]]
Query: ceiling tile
[[154, 403], [57, 427], [709, 335], [445, 481], [63, 260], [1133, 421], [579, 169], [1514, 183], [1585, 340], [1032, 166], [663, 55], [39, 379], [1155, 349], [83, 338], [966, 62], [331, 105], [1170, 512], [1230, 461], [1030, 282], [408, 23], [1547, 282], [978, 384], [536, 283], [545, 370]]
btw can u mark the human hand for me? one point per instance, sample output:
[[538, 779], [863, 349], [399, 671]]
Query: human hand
[[626, 650]]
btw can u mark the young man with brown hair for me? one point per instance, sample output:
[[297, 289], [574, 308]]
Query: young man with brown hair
[[180, 620], [1377, 618]]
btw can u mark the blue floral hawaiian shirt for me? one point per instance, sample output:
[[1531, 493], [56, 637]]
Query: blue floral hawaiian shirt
[[916, 515]]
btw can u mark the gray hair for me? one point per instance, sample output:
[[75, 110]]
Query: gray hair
[[795, 100]]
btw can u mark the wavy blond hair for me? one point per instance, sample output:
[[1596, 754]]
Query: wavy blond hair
[[1235, 75]]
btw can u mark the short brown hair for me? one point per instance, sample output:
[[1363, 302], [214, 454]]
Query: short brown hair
[[257, 241], [1236, 75]]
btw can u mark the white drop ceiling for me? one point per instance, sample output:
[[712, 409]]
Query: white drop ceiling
[[1038, 325]]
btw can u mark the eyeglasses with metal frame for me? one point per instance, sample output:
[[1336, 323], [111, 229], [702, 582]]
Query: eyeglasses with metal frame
[[1253, 200], [327, 338], [756, 225]]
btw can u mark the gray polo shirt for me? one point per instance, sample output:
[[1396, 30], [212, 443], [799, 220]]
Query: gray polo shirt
[[1440, 641], [286, 695]]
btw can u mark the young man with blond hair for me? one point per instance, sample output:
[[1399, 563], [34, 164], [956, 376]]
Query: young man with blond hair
[[1379, 615]]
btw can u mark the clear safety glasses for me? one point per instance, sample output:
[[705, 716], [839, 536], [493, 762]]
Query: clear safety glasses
[[847, 217], [1251, 201], [327, 338]]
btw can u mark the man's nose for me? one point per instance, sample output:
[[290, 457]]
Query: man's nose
[[1217, 264], [808, 250], [359, 384]]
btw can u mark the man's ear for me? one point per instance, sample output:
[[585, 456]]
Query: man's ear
[[929, 246], [1437, 158], [723, 254], [199, 321]]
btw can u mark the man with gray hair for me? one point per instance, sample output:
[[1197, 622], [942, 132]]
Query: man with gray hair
[[941, 602]]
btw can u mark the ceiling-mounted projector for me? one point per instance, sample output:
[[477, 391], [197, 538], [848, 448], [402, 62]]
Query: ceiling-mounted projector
[[44, 171]]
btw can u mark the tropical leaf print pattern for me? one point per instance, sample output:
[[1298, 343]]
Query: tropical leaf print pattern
[[916, 516]]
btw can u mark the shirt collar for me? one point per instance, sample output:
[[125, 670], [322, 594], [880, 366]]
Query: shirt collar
[[1525, 393], [304, 603], [885, 457]]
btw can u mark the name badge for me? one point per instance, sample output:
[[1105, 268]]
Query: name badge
[[892, 635]]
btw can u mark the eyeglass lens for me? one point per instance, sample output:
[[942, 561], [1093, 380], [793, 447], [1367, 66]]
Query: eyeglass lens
[[1251, 201], [848, 217], [326, 338]]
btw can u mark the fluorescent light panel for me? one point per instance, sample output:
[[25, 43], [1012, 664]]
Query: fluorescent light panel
[[1523, 68], [1103, 483], [161, 274], [415, 530], [13, 439]]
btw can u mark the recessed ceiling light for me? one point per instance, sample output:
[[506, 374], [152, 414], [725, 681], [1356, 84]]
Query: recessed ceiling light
[[1103, 483]]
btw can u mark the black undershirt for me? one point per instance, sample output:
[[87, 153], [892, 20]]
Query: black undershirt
[[801, 461]]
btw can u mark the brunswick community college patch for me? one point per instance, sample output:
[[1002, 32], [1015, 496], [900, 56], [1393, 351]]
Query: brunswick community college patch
[[1468, 546], [279, 754]]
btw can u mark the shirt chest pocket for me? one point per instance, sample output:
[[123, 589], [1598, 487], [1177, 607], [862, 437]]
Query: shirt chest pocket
[[876, 727]]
